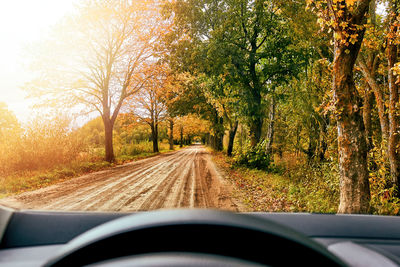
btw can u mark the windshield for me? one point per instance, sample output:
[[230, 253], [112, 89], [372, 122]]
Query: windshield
[[265, 105]]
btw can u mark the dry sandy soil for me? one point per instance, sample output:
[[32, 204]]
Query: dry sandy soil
[[184, 179]]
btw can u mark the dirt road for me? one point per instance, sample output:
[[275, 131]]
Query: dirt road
[[183, 179]]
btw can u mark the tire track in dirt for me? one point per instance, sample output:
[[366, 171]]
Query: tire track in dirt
[[156, 200], [116, 190], [91, 195], [184, 179]]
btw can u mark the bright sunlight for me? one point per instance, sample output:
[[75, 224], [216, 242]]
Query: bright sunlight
[[23, 22]]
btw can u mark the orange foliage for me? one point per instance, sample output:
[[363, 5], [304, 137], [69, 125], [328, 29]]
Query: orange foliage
[[44, 144], [191, 126]]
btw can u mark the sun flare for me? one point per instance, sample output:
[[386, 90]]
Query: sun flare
[[23, 22]]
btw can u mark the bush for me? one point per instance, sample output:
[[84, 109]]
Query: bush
[[134, 149], [314, 187], [44, 144], [255, 157], [383, 193]]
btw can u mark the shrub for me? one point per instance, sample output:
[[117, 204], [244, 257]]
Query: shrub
[[44, 144], [134, 149], [255, 157], [383, 193], [315, 187]]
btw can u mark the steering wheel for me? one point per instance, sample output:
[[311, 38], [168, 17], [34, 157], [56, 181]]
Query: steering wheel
[[192, 238]]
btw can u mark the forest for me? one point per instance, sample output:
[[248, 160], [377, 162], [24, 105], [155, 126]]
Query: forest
[[297, 100]]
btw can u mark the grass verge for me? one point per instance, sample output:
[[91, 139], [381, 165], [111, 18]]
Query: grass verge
[[297, 186], [20, 182], [304, 189]]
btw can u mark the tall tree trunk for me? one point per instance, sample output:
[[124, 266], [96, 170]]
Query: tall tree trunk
[[323, 144], [212, 141], [181, 135], [171, 134], [256, 116], [313, 138], [206, 139], [219, 141], [367, 109], [270, 132], [232, 134], [368, 96], [394, 115], [255, 131], [256, 109], [380, 100], [219, 130], [322, 150], [154, 137], [108, 138], [108, 134], [241, 137], [352, 145]]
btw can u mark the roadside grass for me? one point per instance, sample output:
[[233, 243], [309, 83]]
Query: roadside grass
[[291, 187], [132, 151], [21, 181]]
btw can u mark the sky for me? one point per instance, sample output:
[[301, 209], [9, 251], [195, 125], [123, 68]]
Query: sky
[[23, 22]]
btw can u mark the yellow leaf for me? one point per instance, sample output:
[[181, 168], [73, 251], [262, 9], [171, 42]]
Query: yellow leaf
[[350, 2]]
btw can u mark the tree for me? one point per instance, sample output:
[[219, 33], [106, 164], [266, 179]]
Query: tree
[[131, 129], [187, 96], [245, 41], [224, 97], [369, 74], [171, 133], [303, 114], [302, 111], [190, 126], [100, 54], [347, 19], [148, 104], [368, 62], [394, 110]]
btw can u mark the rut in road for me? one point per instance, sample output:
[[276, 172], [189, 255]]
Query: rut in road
[[184, 179]]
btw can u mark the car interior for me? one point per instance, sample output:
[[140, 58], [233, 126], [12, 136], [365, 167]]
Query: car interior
[[196, 237]]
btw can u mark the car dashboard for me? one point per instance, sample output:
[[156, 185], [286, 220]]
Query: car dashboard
[[31, 238]]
